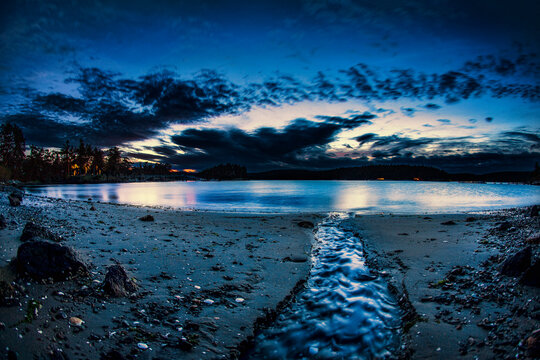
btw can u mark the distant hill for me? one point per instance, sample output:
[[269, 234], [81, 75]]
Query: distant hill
[[389, 172]]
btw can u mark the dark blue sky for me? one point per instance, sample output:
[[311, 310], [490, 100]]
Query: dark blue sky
[[272, 84]]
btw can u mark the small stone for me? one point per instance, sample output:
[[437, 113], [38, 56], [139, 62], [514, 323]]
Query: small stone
[[117, 283], [75, 321], [239, 300], [209, 301], [313, 350], [450, 222], [147, 218], [306, 224], [142, 346]]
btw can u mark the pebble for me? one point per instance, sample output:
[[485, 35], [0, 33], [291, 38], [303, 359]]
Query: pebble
[[313, 350], [239, 300], [142, 346], [75, 321], [209, 301]]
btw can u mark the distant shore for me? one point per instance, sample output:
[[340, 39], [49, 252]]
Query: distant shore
[[206, 280]]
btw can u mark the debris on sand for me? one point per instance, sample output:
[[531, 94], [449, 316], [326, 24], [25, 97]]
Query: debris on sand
[[117, 283], [147, 218]]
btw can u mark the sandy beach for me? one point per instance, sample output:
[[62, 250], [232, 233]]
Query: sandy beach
[[205, 280], [459, 304]]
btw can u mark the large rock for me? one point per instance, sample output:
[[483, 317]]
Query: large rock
[[516, 264], [117, 283], [15, 198], [33, 231], [3, 222], [531, 276], [43, 260], [534, 210]]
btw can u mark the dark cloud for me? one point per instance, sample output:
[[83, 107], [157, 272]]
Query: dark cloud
[[489, 119], [444, 121], [408, 111], [432, 106], [350, 122]]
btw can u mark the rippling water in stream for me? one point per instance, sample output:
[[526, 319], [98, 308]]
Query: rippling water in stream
[[344, 313]]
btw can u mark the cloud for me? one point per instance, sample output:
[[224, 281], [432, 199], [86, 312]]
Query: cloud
[[444, 121], [351, 122], [489, 119], [432, 106]]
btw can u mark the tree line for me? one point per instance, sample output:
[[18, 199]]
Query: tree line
[[53, 165]]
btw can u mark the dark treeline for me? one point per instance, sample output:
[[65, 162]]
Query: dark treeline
[[396, 172], [69, 163]]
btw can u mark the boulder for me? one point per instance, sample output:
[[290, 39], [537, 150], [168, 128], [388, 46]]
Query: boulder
[[33, 231], [3, 222], [147, 218], [15, 198], [43, 260], [516, 264], [534, 210], [533, 239], [531, 276], [296, 258], [117, 283], [533, 344], [449, 222]]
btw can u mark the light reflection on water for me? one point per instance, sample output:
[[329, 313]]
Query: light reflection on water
[[305, 195]]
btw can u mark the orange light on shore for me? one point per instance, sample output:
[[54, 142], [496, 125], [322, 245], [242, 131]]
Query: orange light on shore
[[173, 171], [190, 170]]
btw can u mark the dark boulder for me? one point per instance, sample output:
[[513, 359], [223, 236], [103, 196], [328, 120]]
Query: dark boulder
[[33, 231], [534, 210], [531, 276], [306, 224], [147, 218], [117, 283], [516, 264], [504, 226], [15, 198], [3, 222], [533, 344], [449, 222], [43, 260]]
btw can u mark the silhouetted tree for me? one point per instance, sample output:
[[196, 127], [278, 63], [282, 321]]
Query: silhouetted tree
[[12, 147]]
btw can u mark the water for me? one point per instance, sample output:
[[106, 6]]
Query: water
[[306, 196], [344, 313]]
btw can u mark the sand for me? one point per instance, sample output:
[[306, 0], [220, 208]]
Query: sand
[[210, 278], [473, 312]]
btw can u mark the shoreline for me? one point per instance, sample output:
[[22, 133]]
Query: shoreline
[[214, 275]]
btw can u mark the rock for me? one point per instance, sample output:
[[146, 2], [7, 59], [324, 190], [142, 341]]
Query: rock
[[296, 258], [533, 345], [33, 231], [43, 260], [15, 198], [470, 219], [531, 276], [117, 283], [306, 224], [147, 218], [3, 222], [534, 210], [58, 354], [533, 239], [8, 294], [504, 226], [516, 264], [450, 222], [75, 321]]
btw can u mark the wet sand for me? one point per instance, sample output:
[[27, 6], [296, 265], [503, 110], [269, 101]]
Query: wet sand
[[462, 307], [206, 280]]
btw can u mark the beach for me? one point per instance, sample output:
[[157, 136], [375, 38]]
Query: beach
[[205, 280], [445, 270]]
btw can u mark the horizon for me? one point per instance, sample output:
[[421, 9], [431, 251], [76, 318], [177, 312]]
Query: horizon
[[279, 85]]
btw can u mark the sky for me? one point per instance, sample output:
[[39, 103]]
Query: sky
[[279, 84]]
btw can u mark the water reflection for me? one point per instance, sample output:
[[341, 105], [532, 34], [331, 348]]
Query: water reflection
[[292, 196]]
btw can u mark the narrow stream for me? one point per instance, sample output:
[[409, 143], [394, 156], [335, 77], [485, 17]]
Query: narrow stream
[[345, 312]]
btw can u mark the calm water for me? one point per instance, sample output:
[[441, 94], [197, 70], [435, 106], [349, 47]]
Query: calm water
[[306, 196]]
